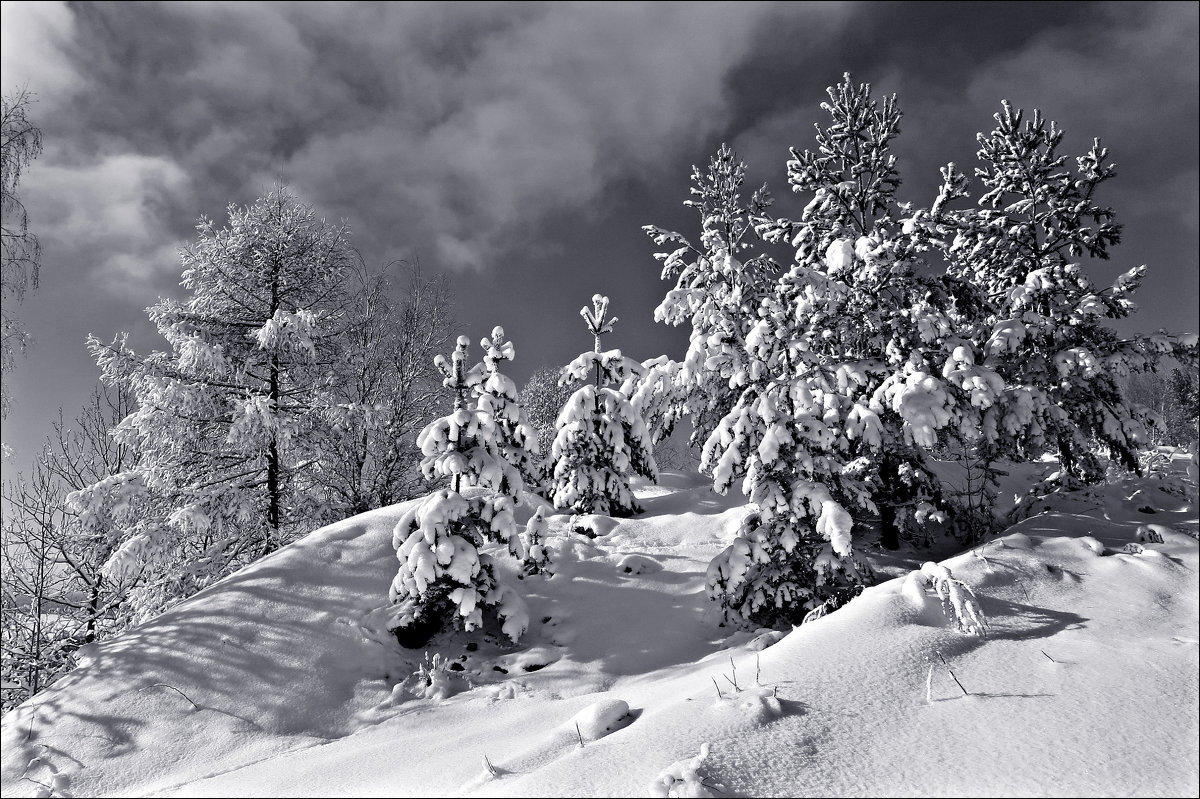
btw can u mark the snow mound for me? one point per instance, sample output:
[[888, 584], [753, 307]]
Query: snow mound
[[683, 778], [592, 525], [602, 718], [638, 564]]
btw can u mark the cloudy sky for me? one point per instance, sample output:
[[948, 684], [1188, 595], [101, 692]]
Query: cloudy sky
[[520, 147]]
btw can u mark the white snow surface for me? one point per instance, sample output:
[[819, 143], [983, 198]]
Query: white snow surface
[[282, 681]]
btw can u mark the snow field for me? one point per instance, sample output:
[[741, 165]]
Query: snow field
[[1084, 683]]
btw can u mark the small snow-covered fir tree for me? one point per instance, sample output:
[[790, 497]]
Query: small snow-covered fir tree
[[537, 556], [443, 576], [498, 397], [602, 440], [718, 285], [793, 550], [1035, 327]]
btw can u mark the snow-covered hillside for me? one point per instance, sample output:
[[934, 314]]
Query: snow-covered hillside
[[281, 679]]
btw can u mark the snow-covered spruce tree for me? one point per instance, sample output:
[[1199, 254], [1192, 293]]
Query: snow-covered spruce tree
[[224, 418], [1035, 323], [718, 286], [498, 397], [793, 549], [602, 441], [443, 577]]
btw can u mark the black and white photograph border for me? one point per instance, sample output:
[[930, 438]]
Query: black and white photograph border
[[870, 469]]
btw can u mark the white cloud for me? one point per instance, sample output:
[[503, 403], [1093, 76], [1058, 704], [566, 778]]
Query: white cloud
[[33, 40], [105, 216]]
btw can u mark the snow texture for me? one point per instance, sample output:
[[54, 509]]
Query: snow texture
[[281, 680]]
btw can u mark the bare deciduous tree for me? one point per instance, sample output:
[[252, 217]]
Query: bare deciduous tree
[[21, 251], [384, 391], [56, 592]]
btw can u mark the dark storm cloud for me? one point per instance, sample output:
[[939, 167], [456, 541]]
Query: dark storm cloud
[[1123, 72], [526, 143], [457, 125]]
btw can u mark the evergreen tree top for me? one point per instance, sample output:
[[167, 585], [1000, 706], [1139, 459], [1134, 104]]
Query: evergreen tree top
[[496, 349], [596, 318]]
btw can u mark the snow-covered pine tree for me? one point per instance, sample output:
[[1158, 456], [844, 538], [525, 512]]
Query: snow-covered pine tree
[[1035, 322], [850, 344], [443, 576], [718, 286], [793, 549], [873, 323], [223, 418], [602, 440], [498, 397]]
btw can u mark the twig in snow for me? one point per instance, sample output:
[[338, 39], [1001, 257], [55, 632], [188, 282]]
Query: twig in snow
[[757, 669], [491, 769], [714, 682], [579, 734], [176, 690], [49, 790], [929, 686], [956, 682], [1052, 660], [734, 680]]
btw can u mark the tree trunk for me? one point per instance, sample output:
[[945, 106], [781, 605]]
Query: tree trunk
[[890, 533], [273, 474], [889, 474], [273, 467], [93, 607]]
